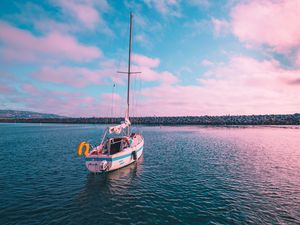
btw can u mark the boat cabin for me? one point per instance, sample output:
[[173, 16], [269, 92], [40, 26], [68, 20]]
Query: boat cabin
[[115, 145]]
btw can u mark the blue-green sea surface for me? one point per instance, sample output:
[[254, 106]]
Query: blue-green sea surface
[[188, 175]]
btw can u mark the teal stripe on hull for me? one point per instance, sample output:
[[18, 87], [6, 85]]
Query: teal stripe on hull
[[112, 159]]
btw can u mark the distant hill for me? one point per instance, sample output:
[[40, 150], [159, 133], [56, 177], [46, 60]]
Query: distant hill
[[16, 114]]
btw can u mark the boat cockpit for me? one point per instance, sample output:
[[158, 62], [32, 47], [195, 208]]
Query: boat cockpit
[[114, 145]]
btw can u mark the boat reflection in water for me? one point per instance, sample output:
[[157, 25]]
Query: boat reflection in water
[[107, 187]]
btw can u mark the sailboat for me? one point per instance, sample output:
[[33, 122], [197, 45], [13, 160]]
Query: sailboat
[[119, 147]]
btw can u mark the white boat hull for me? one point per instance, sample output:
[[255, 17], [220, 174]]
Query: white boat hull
[[94, 163]]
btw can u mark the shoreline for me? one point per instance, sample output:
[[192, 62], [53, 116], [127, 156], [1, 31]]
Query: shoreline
[[285, 119]]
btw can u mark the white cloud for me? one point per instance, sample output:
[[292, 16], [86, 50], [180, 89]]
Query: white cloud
[[165, 7], [220, 26], [206, 62]]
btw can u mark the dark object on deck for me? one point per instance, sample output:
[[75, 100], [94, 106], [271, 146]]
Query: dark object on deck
[[134, 155]]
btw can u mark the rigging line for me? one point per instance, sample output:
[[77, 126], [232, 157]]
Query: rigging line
[[113, 105], [138, 99], [135, 103], [140, 96], [138, 102], [141, 88], [133, 98]]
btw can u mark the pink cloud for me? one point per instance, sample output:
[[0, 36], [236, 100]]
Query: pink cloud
[[74, 76], [7, 81], [5, 89], [30, 89], [113, 104], [243, 86], [22, 45], [88, 13], [109, 97], [109, 63], [142, 60], [80, 76], [59, 102], [150, 75], [167, 78], [87, 100], [206, 62], [147, 65], [49, 25], [75, 16], [273, 23]]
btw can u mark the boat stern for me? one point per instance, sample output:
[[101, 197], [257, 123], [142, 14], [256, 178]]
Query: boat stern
[[97, 164]]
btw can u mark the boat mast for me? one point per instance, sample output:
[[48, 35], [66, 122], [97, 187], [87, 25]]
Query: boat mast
[[129, 72]]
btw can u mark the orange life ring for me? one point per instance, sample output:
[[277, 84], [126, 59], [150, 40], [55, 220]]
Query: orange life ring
[[86, 147]]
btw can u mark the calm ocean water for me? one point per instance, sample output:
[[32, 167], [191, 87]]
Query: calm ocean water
[[190, 175]]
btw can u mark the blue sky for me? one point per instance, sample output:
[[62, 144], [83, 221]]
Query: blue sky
[[197, 57]]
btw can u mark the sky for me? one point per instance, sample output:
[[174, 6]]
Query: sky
[[196, 57]]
